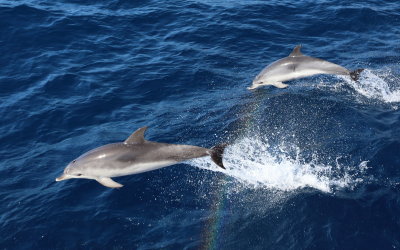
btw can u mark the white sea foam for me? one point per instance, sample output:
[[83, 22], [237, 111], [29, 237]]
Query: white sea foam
[[383, 85], [253, 163]]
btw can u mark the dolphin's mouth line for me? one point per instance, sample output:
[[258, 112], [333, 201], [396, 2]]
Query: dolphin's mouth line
[[62, 177], [66, 177], [255, 85], [59, 179]]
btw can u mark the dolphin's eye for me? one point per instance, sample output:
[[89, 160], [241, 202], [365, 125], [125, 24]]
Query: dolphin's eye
[[78, 174]]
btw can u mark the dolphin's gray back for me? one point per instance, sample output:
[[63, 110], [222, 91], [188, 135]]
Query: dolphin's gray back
[[120, 158], [153, 151], [307, 62]]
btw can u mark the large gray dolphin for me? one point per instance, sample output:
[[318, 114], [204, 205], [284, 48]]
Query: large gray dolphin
[[295, 66], [134, 155]]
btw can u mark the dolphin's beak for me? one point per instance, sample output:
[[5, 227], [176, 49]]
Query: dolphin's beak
[[63, 177]]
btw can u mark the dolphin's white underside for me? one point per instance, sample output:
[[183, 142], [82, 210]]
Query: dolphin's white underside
[[291, 75], [103, 175], [128, 170]]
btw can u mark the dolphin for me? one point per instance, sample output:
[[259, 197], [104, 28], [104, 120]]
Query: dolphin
[[133, 156], [297, 65]]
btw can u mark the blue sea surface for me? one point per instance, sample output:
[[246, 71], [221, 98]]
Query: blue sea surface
[[313, 166]]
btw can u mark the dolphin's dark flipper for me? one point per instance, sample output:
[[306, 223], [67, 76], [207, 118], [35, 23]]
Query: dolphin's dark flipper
[[216, 153], [280, 85], [108, 182], [355, 74]]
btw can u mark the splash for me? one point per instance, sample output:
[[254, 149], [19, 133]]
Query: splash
[[383, 86], [255, 164]]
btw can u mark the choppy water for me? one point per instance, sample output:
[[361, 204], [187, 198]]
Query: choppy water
[[314, 166]]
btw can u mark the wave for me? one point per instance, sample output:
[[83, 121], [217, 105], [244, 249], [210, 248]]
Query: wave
[[256, 164], [380, 85]]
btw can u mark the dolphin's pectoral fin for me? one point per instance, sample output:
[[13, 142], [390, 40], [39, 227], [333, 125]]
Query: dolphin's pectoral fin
[[108, 182], [280, 85]]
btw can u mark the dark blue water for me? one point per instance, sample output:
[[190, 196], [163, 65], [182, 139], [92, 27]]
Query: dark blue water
[[313, 166]]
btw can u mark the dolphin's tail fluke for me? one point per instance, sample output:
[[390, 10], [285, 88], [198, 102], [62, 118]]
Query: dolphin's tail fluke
[[355, 74], [216, 153]]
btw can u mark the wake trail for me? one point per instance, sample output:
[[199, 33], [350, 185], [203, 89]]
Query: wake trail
[[255, 164], [384, 86]]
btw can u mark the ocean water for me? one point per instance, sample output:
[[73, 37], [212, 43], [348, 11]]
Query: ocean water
[[313, 166]]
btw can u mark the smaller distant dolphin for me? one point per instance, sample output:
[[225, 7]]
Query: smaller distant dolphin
[[297, 65], [133, 156]]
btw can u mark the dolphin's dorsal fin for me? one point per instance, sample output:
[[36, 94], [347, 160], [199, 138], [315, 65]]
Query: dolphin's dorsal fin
[[296, 51], [137, 137]]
